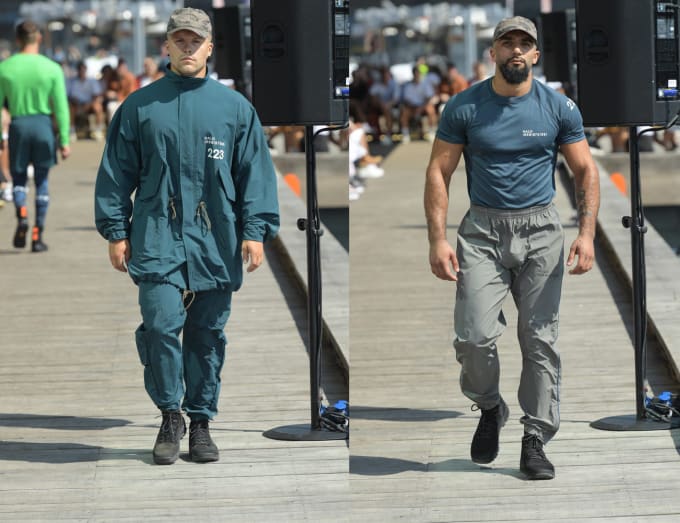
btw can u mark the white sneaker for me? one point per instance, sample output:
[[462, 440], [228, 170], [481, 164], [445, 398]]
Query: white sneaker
[[353, 194], [356, 184], [97, 135], [386, 139], [430, 136], [405, 138], [370, 171], [7, 193]]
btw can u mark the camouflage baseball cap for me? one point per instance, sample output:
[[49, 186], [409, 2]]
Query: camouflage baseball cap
[[516, 23], [190, 19]]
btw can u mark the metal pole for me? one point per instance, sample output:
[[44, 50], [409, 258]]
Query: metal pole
[[636, 223], [314, 315], [312, 226], [637, 231], [139, 38]]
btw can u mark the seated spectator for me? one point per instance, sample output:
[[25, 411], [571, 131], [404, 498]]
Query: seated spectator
[[617, 135], [362, 163], [121, 82], [417, 99], [667, 140], [128, 81], [151, 72], [85, 98], [110, 86], [453, 84], [359, 96], [385, 93], [479, 73]]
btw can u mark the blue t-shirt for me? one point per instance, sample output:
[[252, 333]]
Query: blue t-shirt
[[510, 142]]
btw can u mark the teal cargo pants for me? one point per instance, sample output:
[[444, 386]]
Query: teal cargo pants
[[183, 373], [519, 252]]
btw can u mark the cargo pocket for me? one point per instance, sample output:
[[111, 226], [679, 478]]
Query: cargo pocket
[[141, 337], [227, 184], [226, 228]]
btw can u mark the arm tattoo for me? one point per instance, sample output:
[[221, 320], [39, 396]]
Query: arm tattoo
[[582, 204]]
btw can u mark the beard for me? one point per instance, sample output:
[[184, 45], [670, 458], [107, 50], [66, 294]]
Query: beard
[[514, 75]]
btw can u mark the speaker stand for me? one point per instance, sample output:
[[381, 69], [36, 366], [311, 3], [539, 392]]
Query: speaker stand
[[636, 223], [312, 226]]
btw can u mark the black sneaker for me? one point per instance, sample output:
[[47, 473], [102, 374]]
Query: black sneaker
[[533, 461], [19, 240], [484, 448], [37, 245], [173, 428], [202, 448]]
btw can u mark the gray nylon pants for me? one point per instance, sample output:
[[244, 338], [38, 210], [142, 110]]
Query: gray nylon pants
[[522, 252]]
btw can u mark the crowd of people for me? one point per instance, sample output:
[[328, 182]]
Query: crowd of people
[[92, 95], [99, 95], [385, 110]]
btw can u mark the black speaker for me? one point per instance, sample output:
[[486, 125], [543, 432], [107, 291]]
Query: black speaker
[[558, 50], [300, 61], [628, 61], [231, 51]]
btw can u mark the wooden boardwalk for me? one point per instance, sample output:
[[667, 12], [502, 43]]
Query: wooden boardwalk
[[76, 426], [411, 426]]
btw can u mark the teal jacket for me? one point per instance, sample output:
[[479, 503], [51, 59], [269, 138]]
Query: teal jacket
[[193, 152]]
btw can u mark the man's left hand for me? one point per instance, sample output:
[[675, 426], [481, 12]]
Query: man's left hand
[[583, 249], [252, 252]]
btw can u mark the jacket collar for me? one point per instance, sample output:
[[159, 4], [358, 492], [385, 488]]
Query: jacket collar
[[185, 81]]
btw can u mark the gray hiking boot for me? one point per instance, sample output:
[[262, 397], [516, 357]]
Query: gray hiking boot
[[173, 428], [202, 448]]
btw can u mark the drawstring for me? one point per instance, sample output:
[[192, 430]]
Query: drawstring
[[173, 211], [202, 212], [187, 294]]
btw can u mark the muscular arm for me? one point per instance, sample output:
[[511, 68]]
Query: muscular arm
[[443, 161], [587, 188]]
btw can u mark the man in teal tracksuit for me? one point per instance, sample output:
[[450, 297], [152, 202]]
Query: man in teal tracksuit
[[194, 153]]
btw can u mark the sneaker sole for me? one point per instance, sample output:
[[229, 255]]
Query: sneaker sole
[[19, 240], [165, 461], [539, 475], [204, 458]]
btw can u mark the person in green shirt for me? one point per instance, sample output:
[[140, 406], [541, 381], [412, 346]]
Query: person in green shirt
[[35, 89]]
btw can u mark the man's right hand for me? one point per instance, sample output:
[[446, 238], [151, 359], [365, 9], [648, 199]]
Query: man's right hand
[[119, 254], [65, 151], [442, 260]]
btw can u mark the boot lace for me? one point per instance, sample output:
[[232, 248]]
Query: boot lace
[[200, 434], [169, 428], [534, 447]]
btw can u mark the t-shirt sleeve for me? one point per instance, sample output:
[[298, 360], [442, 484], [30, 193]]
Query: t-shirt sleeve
[[453, 123], [571, 123]]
